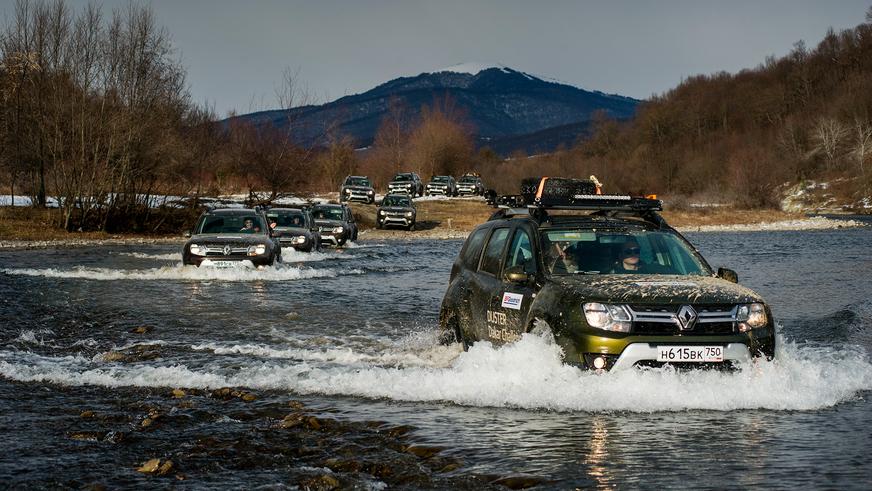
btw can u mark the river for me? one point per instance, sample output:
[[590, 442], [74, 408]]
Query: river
[[93, 339]]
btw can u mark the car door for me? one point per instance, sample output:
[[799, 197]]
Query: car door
[[486, 286], [516, 295]]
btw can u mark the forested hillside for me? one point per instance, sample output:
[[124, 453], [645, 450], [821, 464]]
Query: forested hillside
[[739, 136]]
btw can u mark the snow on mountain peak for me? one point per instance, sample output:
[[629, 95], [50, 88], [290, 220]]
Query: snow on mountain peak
[[472, 68]]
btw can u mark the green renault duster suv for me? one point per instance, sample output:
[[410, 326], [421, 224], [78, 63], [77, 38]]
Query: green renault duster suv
[[616, 285]]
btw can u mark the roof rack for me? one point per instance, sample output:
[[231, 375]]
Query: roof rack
[[541, 194]]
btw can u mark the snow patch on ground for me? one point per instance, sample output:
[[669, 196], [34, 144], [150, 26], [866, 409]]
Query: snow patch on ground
[[814, 223]]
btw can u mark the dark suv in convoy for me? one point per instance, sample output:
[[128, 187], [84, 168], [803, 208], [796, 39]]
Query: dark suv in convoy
[[229, 237], [615, 284], [444, 185], [470, 185], [357, 188], [406, 182], [396, 210], [335, 223], [294, 227]]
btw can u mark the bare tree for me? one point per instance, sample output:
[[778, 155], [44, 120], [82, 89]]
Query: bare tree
[[862, 148], [829, 135]]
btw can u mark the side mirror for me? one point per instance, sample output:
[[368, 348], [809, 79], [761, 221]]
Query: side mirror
[[516, 274], [187, 234], [728, 274]]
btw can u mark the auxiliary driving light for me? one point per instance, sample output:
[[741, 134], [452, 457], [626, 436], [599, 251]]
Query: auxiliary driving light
[[599, 362]]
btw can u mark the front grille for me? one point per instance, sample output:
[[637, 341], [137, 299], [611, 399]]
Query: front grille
[[700, 329], [218, 250], [711, 320]]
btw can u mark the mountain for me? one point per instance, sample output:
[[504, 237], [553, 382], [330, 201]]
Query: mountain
[[502, 105]]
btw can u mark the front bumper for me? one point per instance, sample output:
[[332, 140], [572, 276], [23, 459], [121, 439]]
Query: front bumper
[[358, 195], [223, 261], [443, 190], [305, 246], [734, 353], [400, 188], [400, 220], [333, 238]]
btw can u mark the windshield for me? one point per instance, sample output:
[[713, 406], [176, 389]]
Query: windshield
[[468, 179], [396, 201], [358, 181], [327, 213], [586, 251], [440, 179], [294, 219], [403, 177], [231, 224]]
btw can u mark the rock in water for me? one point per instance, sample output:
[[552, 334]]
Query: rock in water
[[149, 467]]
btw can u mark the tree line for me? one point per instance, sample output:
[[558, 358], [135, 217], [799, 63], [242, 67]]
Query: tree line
[[95, 113], [737, 137]]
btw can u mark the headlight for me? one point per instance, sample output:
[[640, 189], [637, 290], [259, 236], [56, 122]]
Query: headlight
[[382, 212], [607, 317], [300, 239], [197, 250], [370, 192], [408, 214], [347, 191], [337, 230], [257, 250], [751, 316]]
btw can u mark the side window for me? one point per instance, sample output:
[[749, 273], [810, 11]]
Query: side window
[[521, 253], [472, 249], [490, 263]]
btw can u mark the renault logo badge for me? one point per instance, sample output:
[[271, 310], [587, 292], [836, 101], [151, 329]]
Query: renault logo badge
[[686, 317], [227, 250]]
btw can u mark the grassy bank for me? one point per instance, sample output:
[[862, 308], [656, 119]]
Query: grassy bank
[[20, 226]]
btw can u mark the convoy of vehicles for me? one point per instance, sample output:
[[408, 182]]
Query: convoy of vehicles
[[406, 182], [294, 227], [230, 237], [335, 223], [357, 188], [615, 284], [396, 210], [441, 185]]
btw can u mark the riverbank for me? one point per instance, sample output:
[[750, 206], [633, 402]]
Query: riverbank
[[23, 228]]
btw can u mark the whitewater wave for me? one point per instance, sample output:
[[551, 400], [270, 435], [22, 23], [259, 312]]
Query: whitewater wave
[[528, 374], [240, 273], [155, 257]]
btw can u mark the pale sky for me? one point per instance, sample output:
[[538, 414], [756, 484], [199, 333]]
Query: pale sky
[[235, 51]]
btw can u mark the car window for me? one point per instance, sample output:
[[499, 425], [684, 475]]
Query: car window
[[587, 251], [396, 201], [490, 263], [327, 213], [472, 249], [521, 253], [223, 224]]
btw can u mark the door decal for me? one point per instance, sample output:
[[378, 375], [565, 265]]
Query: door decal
[[512, 300]]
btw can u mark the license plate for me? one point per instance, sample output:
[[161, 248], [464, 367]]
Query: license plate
[[698, 354]]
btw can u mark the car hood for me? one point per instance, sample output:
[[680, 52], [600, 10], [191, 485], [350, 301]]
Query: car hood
[[329, 223], [396, 208], [401, 183], [232, 238], [292, 230], [656, 289]]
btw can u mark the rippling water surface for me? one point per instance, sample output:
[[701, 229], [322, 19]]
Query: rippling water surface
[[352, 332]]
